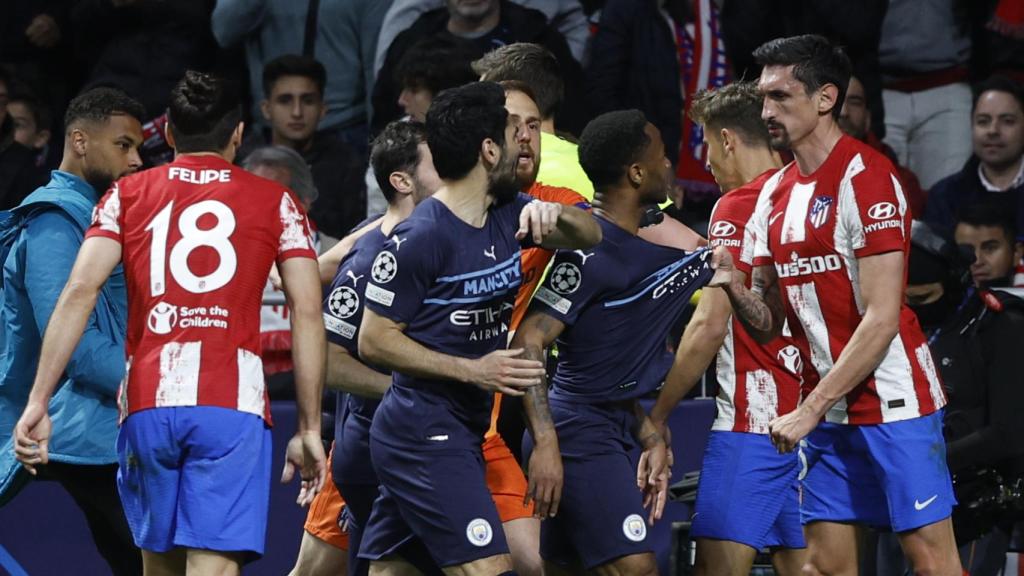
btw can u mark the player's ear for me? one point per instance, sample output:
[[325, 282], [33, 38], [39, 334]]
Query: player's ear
[[401, 182], [265, 109], [728, 140], [236, 136], [828, 98], [490, 151], [635, 173], [169, 136], [79, 140]]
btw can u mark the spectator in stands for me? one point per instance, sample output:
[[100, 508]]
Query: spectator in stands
[[32, 126], [103, 133], [634, 63], [924, 53], [19, 174], [978, 355], [433, 64], [342, 34], [294, 106], [142, 46], [935, 282], [481, 26], [567, 15], [855, 120], [996, 170], [35, 43]]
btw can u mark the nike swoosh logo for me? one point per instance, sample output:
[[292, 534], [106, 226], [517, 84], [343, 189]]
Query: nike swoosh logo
[[918, 505]]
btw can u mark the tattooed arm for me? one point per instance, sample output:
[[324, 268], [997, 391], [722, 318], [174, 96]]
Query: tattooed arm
[[758, 308], [535, 334]]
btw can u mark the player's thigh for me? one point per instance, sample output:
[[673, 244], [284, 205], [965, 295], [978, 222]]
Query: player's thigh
[[832, 548], [317, 557], [523, 536], [632, 565], [723, 558], [490, 566], [931, 549], [789, 561], [171, 563], [212, 563]]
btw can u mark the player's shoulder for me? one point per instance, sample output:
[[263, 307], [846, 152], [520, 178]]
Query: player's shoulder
[[558, 194], [859, 158]]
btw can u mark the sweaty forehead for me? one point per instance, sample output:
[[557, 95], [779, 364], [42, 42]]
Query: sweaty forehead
[[777, 78]]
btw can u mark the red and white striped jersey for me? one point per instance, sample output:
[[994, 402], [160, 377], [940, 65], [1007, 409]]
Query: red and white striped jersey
[[198, 238], [756, 383], [813, 229]]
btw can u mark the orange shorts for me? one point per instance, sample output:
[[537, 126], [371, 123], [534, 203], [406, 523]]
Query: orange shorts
[[505, 480], [324, 510]]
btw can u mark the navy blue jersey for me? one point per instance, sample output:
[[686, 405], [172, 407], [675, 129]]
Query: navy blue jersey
[[453, 286], [343, 312], [618, 302]]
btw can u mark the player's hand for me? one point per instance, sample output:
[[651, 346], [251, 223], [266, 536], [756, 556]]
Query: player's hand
[[788, 430], [545, 479], [503, 371], [306, 452], [538, 219], [32, 437], [722, 263], [652, 477], [275, 278]]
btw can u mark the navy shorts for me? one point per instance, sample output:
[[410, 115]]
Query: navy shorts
[[890, 475], [195, 477], [748, 493], [433, 496], [601, 515]]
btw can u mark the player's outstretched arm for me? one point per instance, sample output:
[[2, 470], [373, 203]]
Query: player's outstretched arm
[[96, 260], [348, 374], [383, 342], [881, 288], [305, 450], [704, 335], [534, 336], [553, 225], [758, 308], [330, 260]]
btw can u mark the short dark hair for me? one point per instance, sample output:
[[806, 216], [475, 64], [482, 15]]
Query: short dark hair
[[532, 64], [99, 104], [998, 84], [435, 63], [518, 86], [736, 107], [610, 143], [815, 61], [293, 65], [459, 120], [36, 107], [396, 149], [990, 213], [203, 113]]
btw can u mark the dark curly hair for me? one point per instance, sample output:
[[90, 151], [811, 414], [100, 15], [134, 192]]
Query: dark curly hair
[[459, 120], [435, 63], [735, 106], [610, 143], [396, 149], [203, 112], [99, 104]]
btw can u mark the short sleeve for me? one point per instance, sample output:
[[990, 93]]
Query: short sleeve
[[727, 228], [295, 239], [343, 309], [755, 250], [402, 273], [108, 217], [873, 213], [571, 284]]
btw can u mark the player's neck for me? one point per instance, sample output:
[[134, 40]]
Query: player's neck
[[467, 197], [621, 208], [71, 165], [754, 162], [812, 150], [395, 214]]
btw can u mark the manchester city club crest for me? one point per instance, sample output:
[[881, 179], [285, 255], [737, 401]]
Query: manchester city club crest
[[819, 211]]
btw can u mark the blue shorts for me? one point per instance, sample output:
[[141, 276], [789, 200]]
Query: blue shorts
[[748, 493], [601, 515], [195, 477], [433, 496], [891, 475]]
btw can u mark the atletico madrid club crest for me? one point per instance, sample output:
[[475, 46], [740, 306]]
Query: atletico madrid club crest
[[820, 209]]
